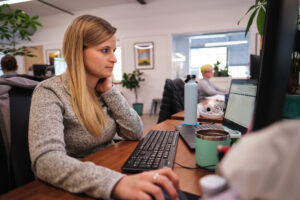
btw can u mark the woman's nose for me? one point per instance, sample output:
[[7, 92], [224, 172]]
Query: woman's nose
[[113, 58]]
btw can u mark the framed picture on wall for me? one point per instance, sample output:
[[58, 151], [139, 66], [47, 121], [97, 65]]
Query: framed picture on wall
[[51, 54], [143, 53]]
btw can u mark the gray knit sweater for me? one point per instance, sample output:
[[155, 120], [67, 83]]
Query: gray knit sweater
[[57, 139], [206, 89]]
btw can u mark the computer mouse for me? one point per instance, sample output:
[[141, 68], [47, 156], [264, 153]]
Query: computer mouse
[[182, 195]]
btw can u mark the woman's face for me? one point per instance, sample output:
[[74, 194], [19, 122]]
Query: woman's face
[[99, 60], [209, 74]]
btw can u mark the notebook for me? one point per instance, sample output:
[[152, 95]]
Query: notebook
[[238, 113]]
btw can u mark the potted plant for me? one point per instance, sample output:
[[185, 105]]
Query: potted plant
[[132, 81], [220, 72], [259, 10], [16, 25]]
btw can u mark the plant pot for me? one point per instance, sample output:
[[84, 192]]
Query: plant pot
[[138, 107], [291, 107]]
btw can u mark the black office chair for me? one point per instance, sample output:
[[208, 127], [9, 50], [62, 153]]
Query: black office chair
[[15, 161], [172, 100], [4, 180]]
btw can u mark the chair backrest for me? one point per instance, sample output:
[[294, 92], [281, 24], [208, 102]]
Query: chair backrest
[[20, 100], [4, 180], [172, 100], [15, 98]]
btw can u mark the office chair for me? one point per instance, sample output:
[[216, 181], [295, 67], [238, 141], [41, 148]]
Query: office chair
[[172, 100], [15, 161]]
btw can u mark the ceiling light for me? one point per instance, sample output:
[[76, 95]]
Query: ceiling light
[[208, 36], [215, 44], [179, 57]]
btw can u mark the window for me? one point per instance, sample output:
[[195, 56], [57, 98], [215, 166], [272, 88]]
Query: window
[[117, 72], [201, 56], [230, 49]]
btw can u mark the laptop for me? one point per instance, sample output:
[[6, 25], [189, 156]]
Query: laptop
[[238, 113]]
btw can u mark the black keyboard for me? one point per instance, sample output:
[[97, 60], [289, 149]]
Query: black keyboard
[[156, 150]]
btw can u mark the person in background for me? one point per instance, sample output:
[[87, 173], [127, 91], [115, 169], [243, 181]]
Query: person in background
[[79, 112], [9, 66], [205, 87]]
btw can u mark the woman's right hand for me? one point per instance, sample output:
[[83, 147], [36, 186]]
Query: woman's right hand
[[147, 184]]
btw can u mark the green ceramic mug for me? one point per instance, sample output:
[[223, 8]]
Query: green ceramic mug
[[207, 142]]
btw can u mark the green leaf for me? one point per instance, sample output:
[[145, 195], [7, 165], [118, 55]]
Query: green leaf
[[34, 18], [15, 25], [261, 21], [252, 7], [250, 22]]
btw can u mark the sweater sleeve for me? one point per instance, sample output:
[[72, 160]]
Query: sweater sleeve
[[50, 161], [129, 123], [208, 90]]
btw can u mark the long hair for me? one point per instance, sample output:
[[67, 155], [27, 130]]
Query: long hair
[[85, 31]]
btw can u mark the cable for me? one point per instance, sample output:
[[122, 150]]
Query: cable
[[199, 167]]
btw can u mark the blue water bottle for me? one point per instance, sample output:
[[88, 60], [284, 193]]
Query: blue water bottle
[[190, 101]]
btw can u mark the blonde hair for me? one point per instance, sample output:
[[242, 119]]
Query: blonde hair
[[85, 31], [205, 68]]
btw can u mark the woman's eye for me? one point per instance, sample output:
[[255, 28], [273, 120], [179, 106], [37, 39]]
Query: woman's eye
[[104, 50]]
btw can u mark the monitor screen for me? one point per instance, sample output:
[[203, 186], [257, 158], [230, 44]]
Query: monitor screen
[[40, 69], [1, 55], [254, 66], [278, 45], [60, 66], [241, 102]]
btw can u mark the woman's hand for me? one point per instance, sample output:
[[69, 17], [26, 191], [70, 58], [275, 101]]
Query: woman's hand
[[104, 84], [147, 184]]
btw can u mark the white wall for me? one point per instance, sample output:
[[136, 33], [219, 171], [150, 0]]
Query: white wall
[[155, 22]]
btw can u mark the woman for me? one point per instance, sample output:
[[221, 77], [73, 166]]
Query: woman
[[205, 87], [79, 112]]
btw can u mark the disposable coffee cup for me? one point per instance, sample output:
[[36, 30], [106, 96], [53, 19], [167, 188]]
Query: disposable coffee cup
[[207, 142]]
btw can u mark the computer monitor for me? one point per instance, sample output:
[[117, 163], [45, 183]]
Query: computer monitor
[[254, 67], [240, 105], [40, 69], [278, 44], [60, 66]]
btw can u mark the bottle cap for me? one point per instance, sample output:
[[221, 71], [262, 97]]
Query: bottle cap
[[212, 184]]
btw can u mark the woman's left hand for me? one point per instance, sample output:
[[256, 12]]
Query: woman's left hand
[[104, 84]]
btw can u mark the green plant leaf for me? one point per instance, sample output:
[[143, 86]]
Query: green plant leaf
[[15, 25], [261, 21], [252, 7], [34, 18], [250, 22]]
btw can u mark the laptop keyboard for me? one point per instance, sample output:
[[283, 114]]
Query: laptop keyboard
[[208, 127], [188, 133], [156, 150]]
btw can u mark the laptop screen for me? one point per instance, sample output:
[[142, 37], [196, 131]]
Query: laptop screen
[[240, 105]]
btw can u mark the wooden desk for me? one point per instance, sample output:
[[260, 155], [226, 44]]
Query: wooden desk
[[180, 116], [114, 157]]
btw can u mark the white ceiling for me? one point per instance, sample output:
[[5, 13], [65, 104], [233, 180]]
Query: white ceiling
[[40, 9]]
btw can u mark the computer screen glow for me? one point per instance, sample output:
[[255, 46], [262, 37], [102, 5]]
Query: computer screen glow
[[241, 103], [60, 66]]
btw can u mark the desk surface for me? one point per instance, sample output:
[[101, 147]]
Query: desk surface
[[180, 116], [114, 157]]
